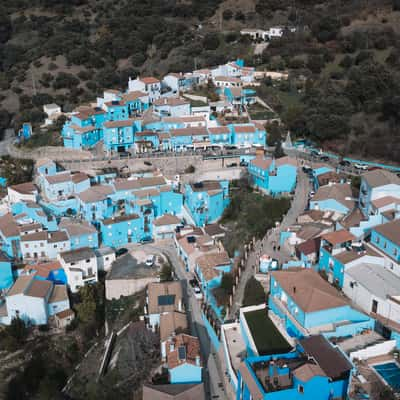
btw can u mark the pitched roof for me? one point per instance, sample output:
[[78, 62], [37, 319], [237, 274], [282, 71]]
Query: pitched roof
[[330, 359], [65, 314], [218, 130], [131, 184], [227, 79], [44, 269], [39, 289], [24, 188], [58, 178], [76, 228], [120, 218], [119, 124], [20, 285], [338, 237], [380, 177], [172, 322], [261, 162], [158, 290], [308, 289], [214, 230], [8, 226], [244, 128], [205, 186], [176, 391], [390, 230], [350, 255], [385, 201], [310, 246], [32, 237], [57, 236], [209, 262], [308, 371], [77, 254], [186, 349], [166, 219], [171, 101], [190, 131], [132, 96], [79, 177], [353, 218], [59, 293], [95, 193], [148, 80], [341, 192]]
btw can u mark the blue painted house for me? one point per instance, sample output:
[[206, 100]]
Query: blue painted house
[[80, 233], [119, 134], [183, 359], [336, 197], [6, 273], [247, 135], [240, 97], [95, 203], [308, 304], [220, 136], [10, 236], [206, 201], [316, 370], [136, 101], [121, 230], [385, 239], [275, 177]]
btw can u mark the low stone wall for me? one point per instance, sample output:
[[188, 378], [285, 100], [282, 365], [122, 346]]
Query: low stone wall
[[115, 288]]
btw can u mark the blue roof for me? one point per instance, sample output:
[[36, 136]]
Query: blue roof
[[322, 170]]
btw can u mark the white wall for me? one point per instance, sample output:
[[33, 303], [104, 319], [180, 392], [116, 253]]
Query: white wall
[[15, 197], [32, 309], [373, 351]]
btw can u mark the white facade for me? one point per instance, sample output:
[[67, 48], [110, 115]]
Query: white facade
[[152, 87], [28, 308], [15, 196], [81, 271], [105, 258]]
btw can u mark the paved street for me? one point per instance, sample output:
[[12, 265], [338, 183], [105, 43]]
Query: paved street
[[213, 377], [271, 240]]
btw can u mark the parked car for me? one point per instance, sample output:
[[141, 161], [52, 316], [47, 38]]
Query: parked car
[[124, 154], [198, 293], [193, 283], [147, 239], [232, 165], [147, 163], [150, 260], [345, 163], [244, 163], [120, 252], [324, 158], [361, 167], [315, 153]]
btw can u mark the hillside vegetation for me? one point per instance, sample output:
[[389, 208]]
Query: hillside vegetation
[[343, 60]]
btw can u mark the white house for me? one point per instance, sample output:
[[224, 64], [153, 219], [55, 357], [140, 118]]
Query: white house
[[80, 267], [33, 300], [227, 81], [172, 106], [53, 111], [374, 289], [175, 81], [105, 257], [149, 85], [164, 226], [23, 192]]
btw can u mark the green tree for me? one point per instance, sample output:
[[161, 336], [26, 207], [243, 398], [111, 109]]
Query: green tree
[[254, 293], [166, 272], [227, 282]]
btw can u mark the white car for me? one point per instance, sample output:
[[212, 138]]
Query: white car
[[197, 293], [150, 260], [362, 167]]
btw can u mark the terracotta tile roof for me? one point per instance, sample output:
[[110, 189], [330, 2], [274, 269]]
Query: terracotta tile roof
[[353, 219], [341, 192], [146, 133], [308, 289], [8, 226], [159, 290], [24, 188], [338, 237], [96, 193], [219, 130], [191, 345], [310, 231], [172, 322], [146, 193], [285, 161], [186, 118], [308, 371], [214, 230], [32, 237], [58, 178], [166, 219], [65, 314], [20, 285], [171, 101], [77, 255], [79, 177], [132, 96], [190, 131], [76, 228], [244, 128], [57, 236], [125, 184], [121, 218], [227, 79], [390, 230], [148, 80], [29, 227], [205, 186], [308, 247], [209, 262], [350, 255], [39, 289], [385, 201], [119, 124], [59, 293], [82, 129], [43, 269], [380, 177], [251, 382]]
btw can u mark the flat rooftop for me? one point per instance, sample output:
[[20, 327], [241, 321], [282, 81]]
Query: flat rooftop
[[235, 344], [266, 336], [128, 267]]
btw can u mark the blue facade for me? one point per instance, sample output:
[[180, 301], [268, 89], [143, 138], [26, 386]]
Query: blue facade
[[6, 274], [389, 245], [329, 205], [206, 201]]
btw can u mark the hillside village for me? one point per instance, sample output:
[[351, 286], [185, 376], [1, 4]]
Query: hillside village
[[328, 323]]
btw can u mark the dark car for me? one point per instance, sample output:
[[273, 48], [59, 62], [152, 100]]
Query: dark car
[[324, 158], [147, 239], [120, 252], [123, 154], [193, 283], [244, 163], [147, 163], [345, 163], [315, 153], [232, 165]]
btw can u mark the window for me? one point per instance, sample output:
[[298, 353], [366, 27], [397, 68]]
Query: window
[[55, 246], [377, 240], [395, 252], [300, 389], [384, 245], [41, 244], [26, 245], [106, 258], [88, 260]]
